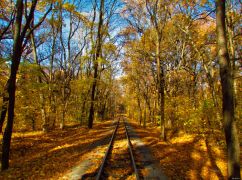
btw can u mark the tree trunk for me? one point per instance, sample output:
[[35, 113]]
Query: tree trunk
[[50, 95], [95, 61], [41, 95], [161, 87], [33, 123], [62, 124], [145, 117], [140, 110], [4, 105], [230, 26], [8, 130], [17, 51], [231, 135], [94, 84]]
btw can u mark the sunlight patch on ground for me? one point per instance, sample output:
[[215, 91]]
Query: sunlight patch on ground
[[192, 174], [206, 172], [191, 156], [196, 156], [27, 134], [60, 147], [186, 138], [38, 155]]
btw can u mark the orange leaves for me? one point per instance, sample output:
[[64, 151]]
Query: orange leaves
[[36, 155], [69, 7], [189, 156], [128, 31], [193, 3]]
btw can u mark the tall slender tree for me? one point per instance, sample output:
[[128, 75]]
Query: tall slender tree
[[230, 128], [22, 33], [158, 13], [98, 51]]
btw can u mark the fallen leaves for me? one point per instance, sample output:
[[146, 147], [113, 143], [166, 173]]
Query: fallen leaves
[[52, 155], [37, 155], [188, 156]]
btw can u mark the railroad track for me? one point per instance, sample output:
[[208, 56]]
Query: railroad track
[[119, 162]]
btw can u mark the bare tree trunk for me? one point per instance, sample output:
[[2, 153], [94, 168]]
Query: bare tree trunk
[[62, 124], [50, 96], [161, 87], [230, 128], [17, 51], [97, 55], [230, 27], [145, 116], [140, 110], [4, 105], [41, 95], [20, 33]]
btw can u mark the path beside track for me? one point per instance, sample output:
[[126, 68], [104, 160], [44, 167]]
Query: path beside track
[[147, 164]]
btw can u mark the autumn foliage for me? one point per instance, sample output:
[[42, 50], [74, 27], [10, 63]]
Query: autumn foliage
[[173, 67]]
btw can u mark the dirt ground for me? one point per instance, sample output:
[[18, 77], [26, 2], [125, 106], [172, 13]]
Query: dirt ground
[[39, 155]]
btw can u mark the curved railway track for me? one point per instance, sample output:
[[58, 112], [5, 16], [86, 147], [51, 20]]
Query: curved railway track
[[119, 161]]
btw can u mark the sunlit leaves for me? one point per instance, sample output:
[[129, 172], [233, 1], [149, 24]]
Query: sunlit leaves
[[69, 7], [43, 4]]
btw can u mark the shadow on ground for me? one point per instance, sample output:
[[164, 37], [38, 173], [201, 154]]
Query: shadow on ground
[[48, 156], [186, 157]]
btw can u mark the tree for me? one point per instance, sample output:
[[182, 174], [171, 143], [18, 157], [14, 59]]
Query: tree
[[102, 34], [153, 10], [156, 14], [230, 128], [21, 33], [96, 56]]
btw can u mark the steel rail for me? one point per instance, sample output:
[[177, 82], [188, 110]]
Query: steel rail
[[100, 171], [131, 153]]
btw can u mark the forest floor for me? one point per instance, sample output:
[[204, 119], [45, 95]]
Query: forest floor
[[187, 156], [38, 155]]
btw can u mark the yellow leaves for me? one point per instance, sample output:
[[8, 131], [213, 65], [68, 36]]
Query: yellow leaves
[[196, 159], [72, 9], [192, 3], [41, 5], [203, 2], [54, 22], [69, 7], [196, 156], [127, 31], [186, 138], [187, 3], [101, 60], [109, 47], [82, 17], [6, 8]]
